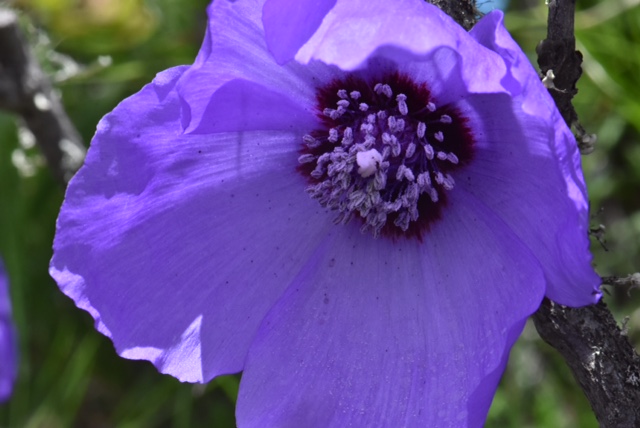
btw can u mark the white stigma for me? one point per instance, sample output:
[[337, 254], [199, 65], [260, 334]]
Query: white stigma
[[368, 162]]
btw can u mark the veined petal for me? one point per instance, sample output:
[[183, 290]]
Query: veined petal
[[536, 101], [413, 30], [288, 25], [241, 105], [235, 48], [8, 343], [528, 153], [179, 244], [375, 333], [517, 175]]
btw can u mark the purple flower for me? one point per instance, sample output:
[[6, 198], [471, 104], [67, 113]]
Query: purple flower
[[357, 204], [8, 346]]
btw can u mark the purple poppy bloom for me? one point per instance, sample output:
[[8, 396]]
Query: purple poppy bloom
[[357, 204], [8, 347]]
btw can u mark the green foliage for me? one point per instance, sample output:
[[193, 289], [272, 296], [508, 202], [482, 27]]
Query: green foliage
[[70, 375]]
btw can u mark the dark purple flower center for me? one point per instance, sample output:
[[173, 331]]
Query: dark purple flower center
[[385, 154]]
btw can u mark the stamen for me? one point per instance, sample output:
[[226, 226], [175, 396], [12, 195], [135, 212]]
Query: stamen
[[429, 151], [306, 158], [422, 129], [369, 141], [333, 135], [386, 151], [367, 128], [332, 113], [448, 182], [381, 163], [391, 123], [423, 180], [402, 104], [385, 89], [411, 149], [310, 141], [347, 137]]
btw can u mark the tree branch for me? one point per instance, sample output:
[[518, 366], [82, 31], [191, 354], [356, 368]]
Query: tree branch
[[26, 91], [464, 12], [598, 353], [557, 53], [600, 356], [596, 350]]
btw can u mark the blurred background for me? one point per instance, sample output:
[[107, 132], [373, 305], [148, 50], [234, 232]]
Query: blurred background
[[98, 52]]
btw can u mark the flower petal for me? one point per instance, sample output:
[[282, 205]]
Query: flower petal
[[528, 170], [286, 31], [235, 48], [179, 244], [376, 333], [490, 32], [240, 105], [8, 342], [413, 30]]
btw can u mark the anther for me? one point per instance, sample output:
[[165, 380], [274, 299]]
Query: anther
[[445, 118], [332, 113], [423, 180], [385, 89], [391, 123], [402, 104], [428, 150], [342, 94], [366, 128], [411, 149], [363, 107], [347, 137], [306, 158], [422, 129], [439, 136], [448, 183], [431, 107], [310, 141], [355, 95], [333, 135]]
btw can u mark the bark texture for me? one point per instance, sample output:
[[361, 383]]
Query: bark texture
[[597, 351]]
